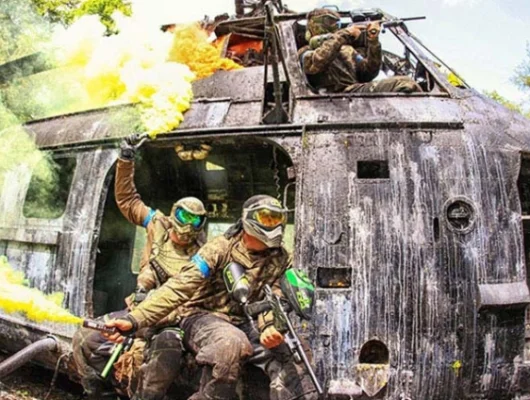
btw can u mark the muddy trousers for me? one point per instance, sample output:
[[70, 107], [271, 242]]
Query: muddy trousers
[[91, 351], [223, 348], [161, 365], [395, 84], [160, 368]]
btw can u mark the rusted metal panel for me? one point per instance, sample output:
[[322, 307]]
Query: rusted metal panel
[[241, 85], [377, 109], [504, 294], [412, 288], [77, 250], [30, 235], [206, 115]]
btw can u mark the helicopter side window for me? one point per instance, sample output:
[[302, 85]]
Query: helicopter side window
[[223, 174], [242, 44], [396, 58], [49, 188]]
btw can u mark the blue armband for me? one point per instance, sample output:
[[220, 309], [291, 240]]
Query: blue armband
[[358, 58], [301, 58], [202, 265], [148, 218]]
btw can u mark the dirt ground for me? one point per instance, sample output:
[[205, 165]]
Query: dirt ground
[[33, 383]]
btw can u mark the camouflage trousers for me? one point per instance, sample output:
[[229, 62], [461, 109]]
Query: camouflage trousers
[[159, 370], [222, 349], [399, 84]]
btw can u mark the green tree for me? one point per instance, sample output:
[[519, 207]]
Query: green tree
[[522, 72], [67, 11], [504, 101], [22, 29]]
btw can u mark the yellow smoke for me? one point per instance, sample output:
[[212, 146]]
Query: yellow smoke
[[17, 297], [191, 47], [153, 70]]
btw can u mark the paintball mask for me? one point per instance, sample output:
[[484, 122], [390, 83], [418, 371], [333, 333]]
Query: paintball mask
[[188, 217], [264, 218], [322, 21]]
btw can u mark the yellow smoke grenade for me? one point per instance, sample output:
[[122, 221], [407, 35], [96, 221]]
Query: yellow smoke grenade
[[17, 297]]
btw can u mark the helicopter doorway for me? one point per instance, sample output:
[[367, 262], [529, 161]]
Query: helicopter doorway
[[222, 173]]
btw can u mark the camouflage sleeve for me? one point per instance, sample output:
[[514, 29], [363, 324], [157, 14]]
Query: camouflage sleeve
[[179, 288], [316, 61], [147, 279], [129, 202], [369, 67]]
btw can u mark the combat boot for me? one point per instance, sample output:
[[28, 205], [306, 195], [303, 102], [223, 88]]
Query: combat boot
[[97, 389]]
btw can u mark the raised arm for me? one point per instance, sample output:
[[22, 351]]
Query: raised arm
[[369, 67], [129, 202]]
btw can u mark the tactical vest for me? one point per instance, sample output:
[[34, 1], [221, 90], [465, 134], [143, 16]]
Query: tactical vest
[[165, 258]]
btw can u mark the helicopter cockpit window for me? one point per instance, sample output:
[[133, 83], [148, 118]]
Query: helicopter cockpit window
[[223, 174], [49, 188], [397, 60]]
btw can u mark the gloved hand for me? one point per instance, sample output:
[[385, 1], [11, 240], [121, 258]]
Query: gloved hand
[[270, 337], [139, 295], [130, 144], [127, 149], [354, 31], [372, 31]]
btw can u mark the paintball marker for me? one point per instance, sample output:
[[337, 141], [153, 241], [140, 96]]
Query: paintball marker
[[299, 293], [316, 41], [118, 349]]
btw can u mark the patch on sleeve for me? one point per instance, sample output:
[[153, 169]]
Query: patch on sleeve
[[148, 218], [301, 57], [202, 265]]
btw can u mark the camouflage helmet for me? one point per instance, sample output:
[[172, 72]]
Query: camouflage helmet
[[188, 217], [321, 21], [264, 218]]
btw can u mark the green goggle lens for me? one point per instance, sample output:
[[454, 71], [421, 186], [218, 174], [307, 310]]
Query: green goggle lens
[[187, 218]]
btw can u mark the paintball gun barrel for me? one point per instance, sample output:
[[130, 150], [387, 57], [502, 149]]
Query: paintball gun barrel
[[388, 23], [291, 338], [273, 302], [299, 293], [316, 41], [118, 349]]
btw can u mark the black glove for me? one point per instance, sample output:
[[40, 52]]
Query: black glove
[[130, 144], [139, 295], [127, 150]]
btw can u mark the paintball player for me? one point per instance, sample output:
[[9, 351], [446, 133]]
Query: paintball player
[[215, 326], [339, 61], [171, 242]]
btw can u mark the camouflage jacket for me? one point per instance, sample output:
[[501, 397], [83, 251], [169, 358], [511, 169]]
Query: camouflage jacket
[[336, 66], [161, 258], [200, 286]]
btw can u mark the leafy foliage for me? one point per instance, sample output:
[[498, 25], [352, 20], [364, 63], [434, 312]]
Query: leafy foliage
[[522, 72], [507, 103], [67, 11], [22, 29]]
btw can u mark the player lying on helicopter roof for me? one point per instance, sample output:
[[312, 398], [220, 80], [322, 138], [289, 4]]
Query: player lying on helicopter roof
[[346, 60]]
